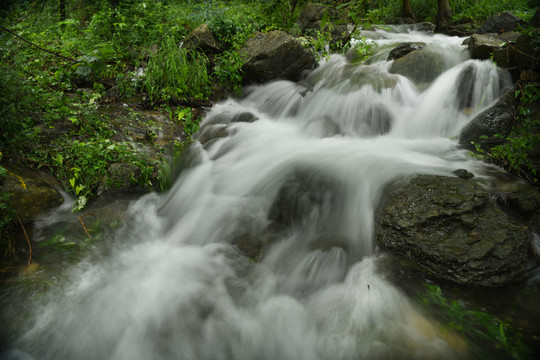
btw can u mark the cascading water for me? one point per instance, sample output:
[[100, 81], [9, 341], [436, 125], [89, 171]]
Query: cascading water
[[177, 286]]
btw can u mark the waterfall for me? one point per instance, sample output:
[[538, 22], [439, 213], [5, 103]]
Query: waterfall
[[302, 180]]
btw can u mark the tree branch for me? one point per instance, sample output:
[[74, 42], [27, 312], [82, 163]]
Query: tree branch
[[39, 47]]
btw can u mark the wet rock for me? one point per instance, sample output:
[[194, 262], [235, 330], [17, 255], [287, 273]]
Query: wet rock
[[403, 49], [32, 193], [244, 117], [498, 120], [510, 36], [275, 55], [308, 196], [424, 27], [465, 87], [378, 121], [481, 46], [420, 66], [523, 200], [359, 77], [451, 228], [201, 38], [501, 22], [211, 132], [323, 126], [463, 174]]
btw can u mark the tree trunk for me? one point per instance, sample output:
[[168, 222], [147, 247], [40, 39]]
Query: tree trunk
[[444, 15], [408, 11], [62, 10]]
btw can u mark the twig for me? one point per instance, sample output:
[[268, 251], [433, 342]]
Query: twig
[[39, 47], [27, 240], [82, 223], [260, 254], [522, 53]]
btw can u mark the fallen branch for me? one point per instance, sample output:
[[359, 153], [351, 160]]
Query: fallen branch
[[82, 223], [27, 240], [39, 47]]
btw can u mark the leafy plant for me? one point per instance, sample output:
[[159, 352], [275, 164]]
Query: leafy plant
[[228, 71], [477, 326]]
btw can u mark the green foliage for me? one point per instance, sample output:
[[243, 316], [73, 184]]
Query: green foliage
[[482, 9], [175, 72], [228, 71], [478, 327], [282, 13], [84, 164], [6, 213]]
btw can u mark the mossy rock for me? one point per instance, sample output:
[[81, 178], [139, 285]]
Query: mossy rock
[[452, 229], [32, 193]]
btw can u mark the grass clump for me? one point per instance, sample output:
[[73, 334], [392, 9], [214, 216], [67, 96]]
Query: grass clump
[[177, 73]]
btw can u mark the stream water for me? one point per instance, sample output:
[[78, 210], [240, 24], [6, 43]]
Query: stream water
[[173, 284]]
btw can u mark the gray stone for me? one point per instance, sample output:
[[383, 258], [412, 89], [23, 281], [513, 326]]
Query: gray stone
[[482, 45], [275, 55], [201, 38], [451, 228]]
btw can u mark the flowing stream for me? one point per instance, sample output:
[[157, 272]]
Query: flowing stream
[[176, 282]]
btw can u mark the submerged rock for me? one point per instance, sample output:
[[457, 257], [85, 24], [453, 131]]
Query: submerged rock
[[403, 49], [420, 66], [275, 55], [451, 228]]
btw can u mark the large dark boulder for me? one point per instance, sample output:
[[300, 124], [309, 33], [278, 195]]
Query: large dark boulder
[[501, 22], [31, 193], [201, 39], [420, 66], [493, 125], [451, 228], [481, 46], [275, 55]]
